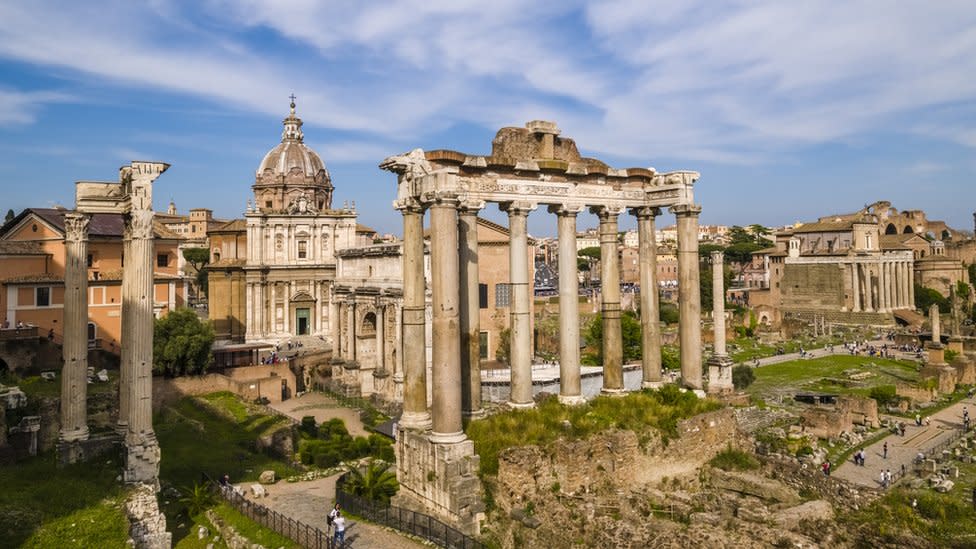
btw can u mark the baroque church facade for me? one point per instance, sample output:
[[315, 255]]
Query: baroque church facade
[[279, 276]]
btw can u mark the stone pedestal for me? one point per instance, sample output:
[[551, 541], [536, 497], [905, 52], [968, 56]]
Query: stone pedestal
[[720, 375], [439, 479]]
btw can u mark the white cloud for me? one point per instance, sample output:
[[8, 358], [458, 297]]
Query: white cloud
[[20, 107]]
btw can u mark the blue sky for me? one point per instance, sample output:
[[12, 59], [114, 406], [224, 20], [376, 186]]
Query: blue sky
[[789, 110]]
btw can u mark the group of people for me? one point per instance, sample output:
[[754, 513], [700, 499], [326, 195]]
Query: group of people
[[886, 478], [20, 324], [859, 457]]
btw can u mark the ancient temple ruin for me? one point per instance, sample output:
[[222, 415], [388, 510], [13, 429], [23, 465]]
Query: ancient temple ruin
[[528, 168]]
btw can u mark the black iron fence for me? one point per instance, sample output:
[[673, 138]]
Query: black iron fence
[[297, 531], [405, 520]]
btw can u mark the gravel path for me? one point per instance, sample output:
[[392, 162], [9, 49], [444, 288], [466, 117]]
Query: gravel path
[[323, 409]]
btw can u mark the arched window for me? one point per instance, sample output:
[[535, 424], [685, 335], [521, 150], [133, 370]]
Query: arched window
[[891, 229], [369, 324], [908, 230]]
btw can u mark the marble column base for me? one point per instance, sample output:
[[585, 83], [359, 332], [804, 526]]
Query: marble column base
[[474, 414], [613, 392], [448, 438], [415, 421], [572, 400], [520, 405], [73, 435], [653, 384]]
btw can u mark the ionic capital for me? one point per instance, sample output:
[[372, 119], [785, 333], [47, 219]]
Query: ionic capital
[[686, 210], [607, 212], [517, 207], [645, 212], [566, 209], [76, 226]]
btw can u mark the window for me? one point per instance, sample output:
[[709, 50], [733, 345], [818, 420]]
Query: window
[[302, 249], [503, 295], [162, 260], [90, 260], [267, 203], [483, 345], [43, 297], [482, 296]]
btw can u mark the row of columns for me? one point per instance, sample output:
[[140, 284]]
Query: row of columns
[[346, 331], [454, 270], [882, 286]]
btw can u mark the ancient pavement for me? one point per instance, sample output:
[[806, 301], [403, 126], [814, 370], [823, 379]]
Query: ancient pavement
[[902, 450]]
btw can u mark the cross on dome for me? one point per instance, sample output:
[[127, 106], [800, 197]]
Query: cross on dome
[[293, 125]]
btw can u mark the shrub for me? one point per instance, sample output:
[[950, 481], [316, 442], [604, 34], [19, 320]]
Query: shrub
[[884, 394], [733, 459], [742, 376], [308, 426]]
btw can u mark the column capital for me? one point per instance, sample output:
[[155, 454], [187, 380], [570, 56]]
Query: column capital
[[645, 212], [408, 206], [76, 226], [441, 198], [566, 209], [469, 206], [605, 211], [517, 207], [686, 210], [718, 257], [140, 224]]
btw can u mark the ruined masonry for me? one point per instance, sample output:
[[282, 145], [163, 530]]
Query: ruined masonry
[[528, 167]]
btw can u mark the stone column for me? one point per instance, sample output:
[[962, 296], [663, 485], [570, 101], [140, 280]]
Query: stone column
[[689, 298], [249, 310], [902, 288], [446, 409], [74, 375], [650, 313], [470, 310], [868, 294], [125, 351], [287, 312], [520, 351], [856, 287], [569, 366], [413, 325], [936, 322], [613, 372], [911, 286], [380, 342], [719, 365], [351, 329], [883, 286], [142, 455]]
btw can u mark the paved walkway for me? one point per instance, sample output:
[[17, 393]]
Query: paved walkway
[[323, 409], [902, 450]]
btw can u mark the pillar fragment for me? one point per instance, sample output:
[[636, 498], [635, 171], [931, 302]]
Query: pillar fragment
[[74, 375], [470, 310], [689, 298], [413, 325], [650, 313], [520, 352], [569, 364], [446, 409]]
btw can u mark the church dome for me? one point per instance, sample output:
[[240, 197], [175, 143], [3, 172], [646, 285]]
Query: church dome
[[292, 152], [292, 177]]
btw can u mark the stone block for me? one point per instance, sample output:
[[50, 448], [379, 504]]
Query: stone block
[[258, 491], [267, 477], [811, 510]]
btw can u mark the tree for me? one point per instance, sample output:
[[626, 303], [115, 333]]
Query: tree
[[705, 283], [504, 344], [630, 331], [593, 252], [181, 344], [925, 297], [705, 250], [198, 259], [742, 376], [375, 483], [10, 215]]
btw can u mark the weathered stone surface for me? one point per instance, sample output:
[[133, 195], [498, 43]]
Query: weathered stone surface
[[267, 477], [753, 485], [147, 524], [811, 510]]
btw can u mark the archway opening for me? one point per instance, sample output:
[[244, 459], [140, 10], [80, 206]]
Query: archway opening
[[908, 229], [891, 229]]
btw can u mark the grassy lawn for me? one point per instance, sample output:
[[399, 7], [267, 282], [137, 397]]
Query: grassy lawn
[[660, 409], [38, 387], [44, 506], [830, 374], [743, 349]]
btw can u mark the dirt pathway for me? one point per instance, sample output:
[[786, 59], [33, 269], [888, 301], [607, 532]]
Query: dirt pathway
[[323, 409]]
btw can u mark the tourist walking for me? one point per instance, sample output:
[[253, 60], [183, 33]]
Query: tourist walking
[[340, 529], [884, 454]]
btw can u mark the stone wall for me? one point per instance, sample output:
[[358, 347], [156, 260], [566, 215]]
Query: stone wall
[[249, 382]]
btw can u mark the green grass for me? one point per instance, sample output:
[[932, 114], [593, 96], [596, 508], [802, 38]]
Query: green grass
[[827, 375], [252, 530], [38, 387], [39, 503], [212, 435], [732, 459], [661, 409]]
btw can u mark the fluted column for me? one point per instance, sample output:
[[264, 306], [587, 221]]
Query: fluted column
[[74, 375], [125, 351], [882, 286], [446, 409], [470, 311], [520, 352], [613, 371], [351, 329], [569, 365], [906, 270], [249, 310], [413, 326], [911, 285], [287, 315], [334, 325], [689, 297], [868, 287], [856, 287], [650, 314], [142, 463]]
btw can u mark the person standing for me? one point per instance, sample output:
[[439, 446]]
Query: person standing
[[340, 529], [884, 455], [332, 515]]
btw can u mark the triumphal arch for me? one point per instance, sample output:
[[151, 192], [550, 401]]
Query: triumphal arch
[[529, 168]]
